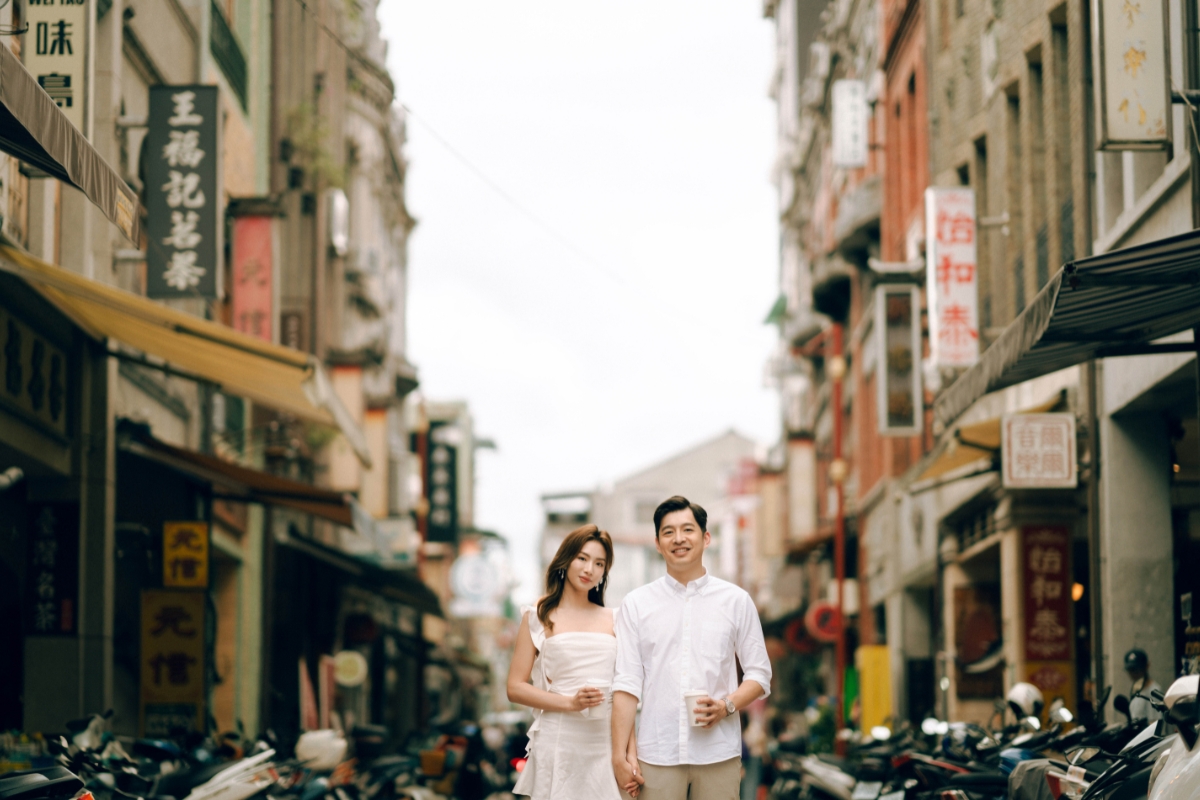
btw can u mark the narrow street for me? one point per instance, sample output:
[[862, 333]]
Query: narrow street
[[834, 361]]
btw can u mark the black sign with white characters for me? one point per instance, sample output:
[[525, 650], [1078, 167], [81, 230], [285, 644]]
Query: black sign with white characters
[[181, 192]]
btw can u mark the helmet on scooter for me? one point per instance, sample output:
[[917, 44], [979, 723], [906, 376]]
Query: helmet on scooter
[[1025, 700], [1136, 660]]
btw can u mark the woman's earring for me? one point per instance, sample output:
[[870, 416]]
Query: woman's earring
[[562, 574]]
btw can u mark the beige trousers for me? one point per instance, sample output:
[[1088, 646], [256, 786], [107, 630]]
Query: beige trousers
[[720, 781]]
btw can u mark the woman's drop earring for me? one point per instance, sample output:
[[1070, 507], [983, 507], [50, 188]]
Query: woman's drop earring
[[562, 574]]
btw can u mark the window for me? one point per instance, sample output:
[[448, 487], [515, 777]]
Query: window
[[1015, 184], [1061, 109]]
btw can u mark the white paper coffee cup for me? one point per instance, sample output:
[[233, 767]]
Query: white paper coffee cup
[[604, 686], [690, 698]]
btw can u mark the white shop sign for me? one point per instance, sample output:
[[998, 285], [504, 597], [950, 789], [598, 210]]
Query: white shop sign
[[1133, 87], [1037, 451], [55, 50], [951, 276], [849, 134]]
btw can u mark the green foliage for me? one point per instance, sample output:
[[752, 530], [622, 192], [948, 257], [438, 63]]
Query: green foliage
[[309, 134]]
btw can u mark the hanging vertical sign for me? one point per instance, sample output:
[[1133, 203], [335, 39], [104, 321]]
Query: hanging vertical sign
[[898, 342], [182, 197], [1133, 88], [441, 482], [1047, 580], [252, 293], [185, 555], [55, 52], [53, 570], [849, 126], [172, 661], [951, 276]]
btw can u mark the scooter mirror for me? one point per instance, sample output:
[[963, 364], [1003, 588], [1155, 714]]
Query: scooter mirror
[[1082, 755], [1059, 712], [1185, 715], [1121, 703]]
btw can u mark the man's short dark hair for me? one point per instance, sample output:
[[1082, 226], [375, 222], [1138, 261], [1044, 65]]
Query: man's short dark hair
[[679, 503]]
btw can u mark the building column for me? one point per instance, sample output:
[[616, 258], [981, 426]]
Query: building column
[[1136, 551], [97, 535]]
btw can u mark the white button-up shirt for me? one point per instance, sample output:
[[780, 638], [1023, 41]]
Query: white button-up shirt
[[673, 638]]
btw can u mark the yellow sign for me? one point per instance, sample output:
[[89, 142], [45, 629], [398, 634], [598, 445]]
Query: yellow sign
[[185, 555], [172, 660], [1056, 680], [875, 684]]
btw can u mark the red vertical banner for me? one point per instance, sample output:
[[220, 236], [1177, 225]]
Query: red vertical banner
[[1047, 592], [252, 293]]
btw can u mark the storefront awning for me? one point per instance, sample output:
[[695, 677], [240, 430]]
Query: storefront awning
[[36, 131], [278, 377], [244, 484], [1108, 305], [971, 443], [398, 585]]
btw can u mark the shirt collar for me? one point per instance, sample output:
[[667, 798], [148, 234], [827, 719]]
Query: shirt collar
[[697, 586]]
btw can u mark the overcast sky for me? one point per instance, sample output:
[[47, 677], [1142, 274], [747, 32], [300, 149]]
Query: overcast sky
[[638, 131]]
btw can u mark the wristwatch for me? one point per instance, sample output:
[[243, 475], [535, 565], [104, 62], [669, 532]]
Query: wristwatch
[[730, 708]]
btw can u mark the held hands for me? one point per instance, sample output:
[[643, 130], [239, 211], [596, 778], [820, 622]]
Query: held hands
[[587, 697], [709, 712], [629, 776]]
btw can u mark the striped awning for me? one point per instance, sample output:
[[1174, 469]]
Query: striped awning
[[1116, 304], [36, 131]]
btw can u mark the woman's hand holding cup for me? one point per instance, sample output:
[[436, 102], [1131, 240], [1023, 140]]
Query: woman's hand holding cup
[[585, 698]]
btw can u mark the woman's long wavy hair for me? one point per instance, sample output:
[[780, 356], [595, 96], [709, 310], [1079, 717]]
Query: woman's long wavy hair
[[556, 574]]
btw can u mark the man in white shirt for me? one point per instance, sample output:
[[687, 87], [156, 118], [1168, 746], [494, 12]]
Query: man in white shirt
[[686, 631]]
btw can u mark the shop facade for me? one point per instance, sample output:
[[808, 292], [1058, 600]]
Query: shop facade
[[56, 512]]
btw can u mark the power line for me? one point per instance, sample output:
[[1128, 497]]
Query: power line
[[495, 187], [462, 159]]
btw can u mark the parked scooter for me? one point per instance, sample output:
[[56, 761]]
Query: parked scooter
[[1176, 776]]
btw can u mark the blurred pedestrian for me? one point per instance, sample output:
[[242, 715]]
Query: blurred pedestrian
[[1137, 667]]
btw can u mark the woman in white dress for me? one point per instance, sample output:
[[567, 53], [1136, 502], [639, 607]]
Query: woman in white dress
[[567, 647]]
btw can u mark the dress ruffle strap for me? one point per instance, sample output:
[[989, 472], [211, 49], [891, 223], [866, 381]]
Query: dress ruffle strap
[[538, 634], [536, 631]]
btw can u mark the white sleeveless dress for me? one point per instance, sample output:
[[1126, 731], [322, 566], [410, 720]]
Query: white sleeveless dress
[[570, 755]]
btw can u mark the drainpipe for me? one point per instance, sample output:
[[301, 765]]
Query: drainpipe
[[837, 471], [10, 477]]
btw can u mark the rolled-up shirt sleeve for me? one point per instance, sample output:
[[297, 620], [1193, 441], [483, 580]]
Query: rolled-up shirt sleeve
[[751, 649], [630, 673]]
